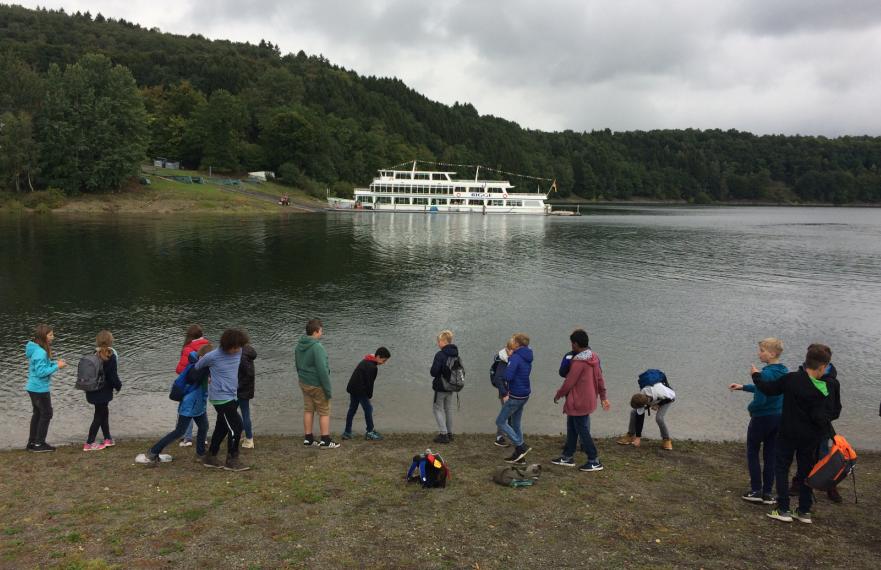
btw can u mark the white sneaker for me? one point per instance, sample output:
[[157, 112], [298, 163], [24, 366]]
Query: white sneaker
[[142, 458], [186, 443], [247, 443]]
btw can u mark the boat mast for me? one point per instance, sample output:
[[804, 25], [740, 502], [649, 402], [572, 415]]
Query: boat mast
[[476, 173], [413, 172]]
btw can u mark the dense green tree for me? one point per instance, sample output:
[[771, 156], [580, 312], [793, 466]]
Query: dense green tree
[[92, 127], [18, 151], [221, 123]]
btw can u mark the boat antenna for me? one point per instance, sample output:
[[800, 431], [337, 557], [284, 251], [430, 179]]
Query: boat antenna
[[414, 167], [476, 173]]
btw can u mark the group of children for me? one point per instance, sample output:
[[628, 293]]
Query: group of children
[[791, 413]]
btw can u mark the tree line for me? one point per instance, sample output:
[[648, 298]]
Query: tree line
[[85, 99]]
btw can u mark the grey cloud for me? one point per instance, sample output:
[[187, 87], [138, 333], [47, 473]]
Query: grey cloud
[[780, 17]]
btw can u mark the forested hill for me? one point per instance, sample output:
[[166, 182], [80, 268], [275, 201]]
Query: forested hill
[[246, 106]]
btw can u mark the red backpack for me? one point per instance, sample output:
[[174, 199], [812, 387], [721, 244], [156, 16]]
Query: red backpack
[[834, 468]]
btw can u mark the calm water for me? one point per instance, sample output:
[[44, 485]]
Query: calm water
[[689, 291]]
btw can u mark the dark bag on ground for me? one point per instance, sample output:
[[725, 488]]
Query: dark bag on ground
[[834, 467], [517, 475], [651, 377], [456, 379], [429, 469], [90, 373]]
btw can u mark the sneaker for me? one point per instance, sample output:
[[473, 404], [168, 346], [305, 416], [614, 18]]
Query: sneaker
[[373, 436], [328, 444], [769, 499], [667, 445], [519, 454], [186, 442], [442, 438], [94, 446], [234, 464], [450, 437], [500, 441], [752, 497], [212, 461], [147, 459], [625, 440], [108, 443], [834, 496], [346, 435], [247, 443], [563, 460], [592, 466], [309, 441], [781, 515], [42, 448], [29, 446], [803, 517]]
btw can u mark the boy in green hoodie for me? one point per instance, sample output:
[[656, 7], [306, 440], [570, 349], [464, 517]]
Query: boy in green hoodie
[[314, 373]]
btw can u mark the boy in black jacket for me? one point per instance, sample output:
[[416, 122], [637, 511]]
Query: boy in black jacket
[[360, 391], [806, 420]]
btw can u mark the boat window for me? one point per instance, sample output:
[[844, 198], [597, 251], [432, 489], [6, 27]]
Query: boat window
[[495, 190], [400, 200], [402, 175], [438, 201], [423, 176], [365, 198], [460, 189], [383, 199], [515, 203], [456, 201], [475, 202], [420, 200], [496, 202]]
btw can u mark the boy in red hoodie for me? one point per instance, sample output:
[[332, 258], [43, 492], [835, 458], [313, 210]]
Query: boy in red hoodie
[[360, 391], [583, 384]]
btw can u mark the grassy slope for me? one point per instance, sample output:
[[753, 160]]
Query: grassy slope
[[304, 507]]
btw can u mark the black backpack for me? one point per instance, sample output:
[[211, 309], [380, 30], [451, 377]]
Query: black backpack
[[90, 373], [456, 380]]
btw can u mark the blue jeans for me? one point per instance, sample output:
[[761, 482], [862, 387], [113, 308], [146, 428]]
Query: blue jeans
[[364, 402], [578, 427], [805, 457], [245, 407], [182, 423], [512, 410], [762, 434], [188, 435]]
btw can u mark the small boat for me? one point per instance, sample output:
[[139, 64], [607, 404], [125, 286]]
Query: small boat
[[430, 191]]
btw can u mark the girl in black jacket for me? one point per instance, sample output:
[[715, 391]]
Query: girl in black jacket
[[246, 392], [101, 398]]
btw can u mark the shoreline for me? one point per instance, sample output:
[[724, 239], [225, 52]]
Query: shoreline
[[348, 507]]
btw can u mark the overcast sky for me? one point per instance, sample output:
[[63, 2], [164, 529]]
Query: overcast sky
[[765, 66]]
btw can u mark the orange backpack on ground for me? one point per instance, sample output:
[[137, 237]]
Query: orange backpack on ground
[[834, 468]]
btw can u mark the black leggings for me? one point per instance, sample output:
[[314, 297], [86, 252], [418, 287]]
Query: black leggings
[[102, 420], [229, 424], [42, 403]]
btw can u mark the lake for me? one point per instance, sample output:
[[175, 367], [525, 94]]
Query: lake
[[686, 290]]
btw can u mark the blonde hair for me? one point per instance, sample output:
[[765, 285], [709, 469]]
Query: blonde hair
[[520, 339], [511, 345], [446, 336], [772, 345], [103, 342]]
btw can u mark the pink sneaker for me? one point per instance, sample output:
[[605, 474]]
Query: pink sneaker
[[108, 443], [93, 446]]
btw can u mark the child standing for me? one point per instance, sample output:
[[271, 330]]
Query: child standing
[[41, 367], [360, 389], [583, 386], [223, 389], [246, 392], [442, 406], [102, 397], [313, 371], [192, 408], [805, 420], [764, 423], [657, 397], [193, 341], [497, 378], [517, 392]]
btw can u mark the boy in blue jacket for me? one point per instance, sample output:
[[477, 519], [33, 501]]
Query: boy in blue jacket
[[193, 407], [517, 391], [764, 423]]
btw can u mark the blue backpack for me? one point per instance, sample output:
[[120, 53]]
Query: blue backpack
[[651, 377], [180, 387]]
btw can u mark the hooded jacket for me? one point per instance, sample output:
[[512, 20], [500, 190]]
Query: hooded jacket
[[363, 377], [517, 373], [806, 415], [192, 346], [439, 366], [40, 368], [195, 403], [833, 400], [763, 405], [246, 373], [312, 366], [583, 383]]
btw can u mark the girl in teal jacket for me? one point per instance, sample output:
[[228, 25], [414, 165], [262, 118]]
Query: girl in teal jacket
[[40, 370]]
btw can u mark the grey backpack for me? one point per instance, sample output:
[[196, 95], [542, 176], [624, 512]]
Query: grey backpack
[[456, 381], [90, 373]]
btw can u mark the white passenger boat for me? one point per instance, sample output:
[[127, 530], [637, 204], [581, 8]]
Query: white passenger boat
[[432, 191]]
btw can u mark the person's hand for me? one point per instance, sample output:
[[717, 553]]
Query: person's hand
[[61, 363], [734, 387], [606, 405], [505, 399], [753, 369], [556, 400], [655, 408]]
